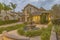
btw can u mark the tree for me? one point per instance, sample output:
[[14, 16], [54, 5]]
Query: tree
[[6, 8], [13, 6], [56, 10], [1, 7]]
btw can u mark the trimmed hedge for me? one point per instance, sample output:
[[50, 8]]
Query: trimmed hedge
[[10, 28], [29, 33], [7, 22]]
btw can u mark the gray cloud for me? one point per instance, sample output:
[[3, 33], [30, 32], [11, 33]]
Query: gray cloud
[[47, 4]]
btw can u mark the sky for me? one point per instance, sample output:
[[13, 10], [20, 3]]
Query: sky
[[47, 4]]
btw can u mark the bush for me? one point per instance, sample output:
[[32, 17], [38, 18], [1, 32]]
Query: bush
[[29, 33], [43, 19], [10, 28], [56, 21], [1, 30], [57, 28], [45, 35], [7, 22], [21, 31]]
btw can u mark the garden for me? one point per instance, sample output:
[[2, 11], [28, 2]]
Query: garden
[[43, 32], [30, 31]]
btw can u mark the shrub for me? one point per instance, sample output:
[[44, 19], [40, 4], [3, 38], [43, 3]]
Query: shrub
[[1, 30], [7, 22], [43, 19], [21, 31], [10, 28], [29, 33], [45, 35], [56, 21]]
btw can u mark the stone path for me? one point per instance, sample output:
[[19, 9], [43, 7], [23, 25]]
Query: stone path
[[23, 37], [13, 34], [53, 35], [11, 24]]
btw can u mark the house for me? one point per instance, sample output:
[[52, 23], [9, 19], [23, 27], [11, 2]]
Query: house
[[33, 13], [28, 14], [9, 15]]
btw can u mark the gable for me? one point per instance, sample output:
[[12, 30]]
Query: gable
[[29, 6]]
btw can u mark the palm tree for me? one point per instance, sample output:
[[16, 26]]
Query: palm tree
[[6, 8], [13, 6], [1, 7]]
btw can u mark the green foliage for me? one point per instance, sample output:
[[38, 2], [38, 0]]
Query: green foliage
[[45, 35], [33, 33], [13, 6], [43, 19], [7, 22], [1, 6], [10, 28], [1, 30], [57, 28], [29, 33], [56, 21], [7, 7], [20, 31], [56, 10]]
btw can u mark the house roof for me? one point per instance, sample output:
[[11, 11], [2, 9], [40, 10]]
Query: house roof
[[36, 13], [31, 6], [42, 9]]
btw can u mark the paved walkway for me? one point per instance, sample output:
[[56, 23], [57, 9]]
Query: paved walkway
[[11, 24], [13, 34], [16, 35], [53, 35]]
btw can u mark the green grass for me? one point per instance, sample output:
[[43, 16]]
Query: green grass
[[7, 22], [45, 35], [46, 32], [10, 28], [57, 29]]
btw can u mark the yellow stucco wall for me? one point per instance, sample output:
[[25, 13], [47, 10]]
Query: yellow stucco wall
[[36, 19]]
